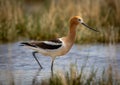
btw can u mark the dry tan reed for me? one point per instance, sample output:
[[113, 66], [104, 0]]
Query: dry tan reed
[[49, 19]]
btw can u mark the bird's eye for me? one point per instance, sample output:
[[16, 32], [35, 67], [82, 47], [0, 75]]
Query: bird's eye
[[79, 19]]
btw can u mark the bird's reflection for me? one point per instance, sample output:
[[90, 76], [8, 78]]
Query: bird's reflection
[[35, 77]]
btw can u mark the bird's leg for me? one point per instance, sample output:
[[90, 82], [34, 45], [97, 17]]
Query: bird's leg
[[52, 65], [37, 59]]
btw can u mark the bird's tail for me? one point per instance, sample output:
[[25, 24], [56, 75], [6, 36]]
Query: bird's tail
[[25, 44]]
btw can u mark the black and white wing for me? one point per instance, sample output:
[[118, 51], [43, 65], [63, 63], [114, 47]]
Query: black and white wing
[[50, 45]]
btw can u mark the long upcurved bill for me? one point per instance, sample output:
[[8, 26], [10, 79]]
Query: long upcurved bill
[[89, 27]]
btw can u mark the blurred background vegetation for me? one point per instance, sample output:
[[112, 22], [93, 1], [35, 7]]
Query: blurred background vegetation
[[48, 19]]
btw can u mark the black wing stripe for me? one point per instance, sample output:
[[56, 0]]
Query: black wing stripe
[[48, 46], [51, 44]]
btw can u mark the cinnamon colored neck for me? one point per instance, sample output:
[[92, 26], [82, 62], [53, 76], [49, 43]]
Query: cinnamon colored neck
[[72, 32]]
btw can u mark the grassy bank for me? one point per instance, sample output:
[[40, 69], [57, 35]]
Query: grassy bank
[[74, 77], [41, 20], [108, 77]]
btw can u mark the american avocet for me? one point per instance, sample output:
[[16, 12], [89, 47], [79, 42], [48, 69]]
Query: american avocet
[[59, 46]]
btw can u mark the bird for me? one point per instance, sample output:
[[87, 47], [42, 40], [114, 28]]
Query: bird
[[59, 46]]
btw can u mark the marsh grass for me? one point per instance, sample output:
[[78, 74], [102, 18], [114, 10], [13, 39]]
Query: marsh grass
[[73, 77], [40, 20]]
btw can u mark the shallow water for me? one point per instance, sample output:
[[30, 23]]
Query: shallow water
[[19, 62]]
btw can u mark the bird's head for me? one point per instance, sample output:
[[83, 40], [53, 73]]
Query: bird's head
[[78, 20]]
